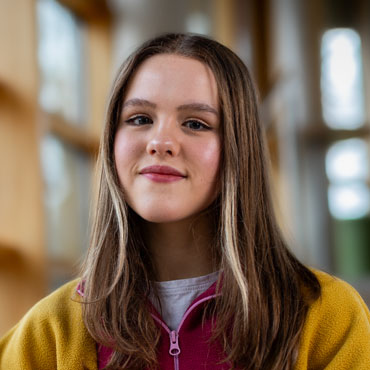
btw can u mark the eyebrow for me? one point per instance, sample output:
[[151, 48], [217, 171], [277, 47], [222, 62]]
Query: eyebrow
[[200, 107], [138, 102]]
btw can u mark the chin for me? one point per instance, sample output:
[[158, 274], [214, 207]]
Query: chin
[[165, 213], [160, 217]]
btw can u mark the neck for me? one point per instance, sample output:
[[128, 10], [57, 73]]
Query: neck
[[180, 249]]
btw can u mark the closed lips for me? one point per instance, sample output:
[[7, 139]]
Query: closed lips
[[162, 170]]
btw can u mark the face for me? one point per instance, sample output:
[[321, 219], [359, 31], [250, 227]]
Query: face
[[167, 146]]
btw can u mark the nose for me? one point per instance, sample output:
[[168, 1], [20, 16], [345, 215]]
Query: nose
[[164, 141]]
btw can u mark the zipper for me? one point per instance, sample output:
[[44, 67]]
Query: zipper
[[174, 349], [174, 343]]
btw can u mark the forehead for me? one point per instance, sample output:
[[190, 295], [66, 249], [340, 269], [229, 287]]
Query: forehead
[[174, 77]]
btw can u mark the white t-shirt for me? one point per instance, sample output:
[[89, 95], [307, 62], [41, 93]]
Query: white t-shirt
[[177, 295]]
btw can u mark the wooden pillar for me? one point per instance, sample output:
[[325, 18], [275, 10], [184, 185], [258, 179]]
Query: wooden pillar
[[22, 245], [224, 17], [100, 59]]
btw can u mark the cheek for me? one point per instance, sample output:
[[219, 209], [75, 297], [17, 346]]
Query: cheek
[[125, 151], [209, 159]]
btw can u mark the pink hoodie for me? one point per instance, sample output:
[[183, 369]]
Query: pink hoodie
[[188, 347]]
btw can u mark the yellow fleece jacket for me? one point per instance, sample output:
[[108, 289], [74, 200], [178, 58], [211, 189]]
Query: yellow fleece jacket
[[336, 335]]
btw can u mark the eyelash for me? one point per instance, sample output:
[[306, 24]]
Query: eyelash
[[133, 119], [203, 126]]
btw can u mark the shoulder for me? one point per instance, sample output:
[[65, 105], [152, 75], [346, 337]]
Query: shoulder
[[59, 304], [57, 311], [339, 309], [336, 293], [62, 302], [336, 334], [51, 331], [53, 311]]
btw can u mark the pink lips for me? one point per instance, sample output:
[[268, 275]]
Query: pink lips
[[162, 174]]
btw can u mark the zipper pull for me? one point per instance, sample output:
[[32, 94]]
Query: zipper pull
[[174, 343]]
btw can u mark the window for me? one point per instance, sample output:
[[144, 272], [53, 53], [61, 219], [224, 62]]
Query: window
[[66, 167], [347, 160], [341, 79], [347, 171]]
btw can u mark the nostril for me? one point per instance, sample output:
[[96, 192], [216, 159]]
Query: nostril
[[161, 147]]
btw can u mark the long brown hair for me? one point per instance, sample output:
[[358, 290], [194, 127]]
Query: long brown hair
[[265, 290]]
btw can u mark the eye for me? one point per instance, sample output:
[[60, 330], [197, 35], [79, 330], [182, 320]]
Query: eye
[[139, 121], [196, 125]]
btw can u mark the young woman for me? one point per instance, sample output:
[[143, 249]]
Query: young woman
[[187, 267]]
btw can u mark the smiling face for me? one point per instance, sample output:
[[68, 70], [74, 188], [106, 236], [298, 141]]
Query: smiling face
[[167, 146]]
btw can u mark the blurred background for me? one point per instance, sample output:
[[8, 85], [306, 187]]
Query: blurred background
[[310, 61]]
